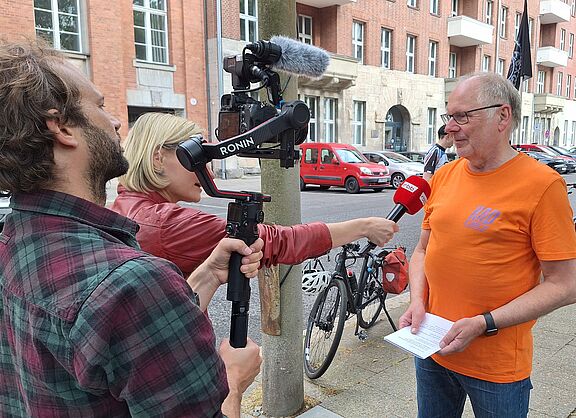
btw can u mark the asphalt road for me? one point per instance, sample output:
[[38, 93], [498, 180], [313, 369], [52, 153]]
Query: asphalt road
[[314, 205]]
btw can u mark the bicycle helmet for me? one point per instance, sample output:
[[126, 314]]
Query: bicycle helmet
[[314, 281]]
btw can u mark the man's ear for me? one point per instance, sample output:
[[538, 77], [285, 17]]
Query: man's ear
[[61, 132]]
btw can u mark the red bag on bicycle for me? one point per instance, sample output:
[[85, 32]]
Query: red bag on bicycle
[[395, 271]]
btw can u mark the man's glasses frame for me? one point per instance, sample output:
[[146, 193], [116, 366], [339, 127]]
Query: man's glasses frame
[[461, 118]]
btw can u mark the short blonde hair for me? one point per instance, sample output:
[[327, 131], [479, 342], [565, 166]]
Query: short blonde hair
[[150, 133]]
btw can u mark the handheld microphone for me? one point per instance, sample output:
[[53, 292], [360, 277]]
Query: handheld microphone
[[410, 197]]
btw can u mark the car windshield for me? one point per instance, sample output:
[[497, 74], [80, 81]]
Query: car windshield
[[559, 149], [350, 156], [397, 158]]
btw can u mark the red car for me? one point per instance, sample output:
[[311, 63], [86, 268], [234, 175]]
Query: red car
[[330, 164], [570, 162]]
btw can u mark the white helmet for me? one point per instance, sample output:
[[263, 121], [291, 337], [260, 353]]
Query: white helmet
[[314, 281]]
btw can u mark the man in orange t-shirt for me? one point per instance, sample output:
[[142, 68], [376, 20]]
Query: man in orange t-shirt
[[495, 221]]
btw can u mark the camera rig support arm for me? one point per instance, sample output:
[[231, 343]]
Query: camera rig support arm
[[246, 212]]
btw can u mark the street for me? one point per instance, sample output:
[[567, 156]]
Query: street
[[314, 204]]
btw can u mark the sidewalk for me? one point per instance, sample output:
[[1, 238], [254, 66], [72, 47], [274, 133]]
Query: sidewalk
[[375, 379]]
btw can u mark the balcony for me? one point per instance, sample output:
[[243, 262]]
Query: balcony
[[463, 31], [548, 56], [340, 74], [554, 11], [325, 3], [548, 103]]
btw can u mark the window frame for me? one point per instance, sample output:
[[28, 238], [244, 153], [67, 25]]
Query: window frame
[[453, 67], [568, 89], [358, 126], [434, 7], [432, 58], [541, 82], [358, 40], [410, 54], [385, 50], [431, 125], [55, 31], [330, 110], [148, 32], [312, 103], [246, 19], [454, 8], [489, 10], [559, 82], [503, 20], [302, 35], [562, 43]]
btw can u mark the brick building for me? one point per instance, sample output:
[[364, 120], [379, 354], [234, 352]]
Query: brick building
[[393, 62]]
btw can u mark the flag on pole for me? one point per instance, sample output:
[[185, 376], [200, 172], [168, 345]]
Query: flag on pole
[[521, 65]]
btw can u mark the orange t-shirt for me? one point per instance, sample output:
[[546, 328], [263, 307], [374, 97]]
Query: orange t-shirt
[[488, 232]]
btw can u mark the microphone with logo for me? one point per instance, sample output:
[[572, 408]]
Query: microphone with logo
[[410, 197]]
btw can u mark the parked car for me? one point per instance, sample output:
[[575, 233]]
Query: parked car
[[555, 163], [416, 156], [563, 151], [570, 162], [331, 164], [399, 166], [4, 209]]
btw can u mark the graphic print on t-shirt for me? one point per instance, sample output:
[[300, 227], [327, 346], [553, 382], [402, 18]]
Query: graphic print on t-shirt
[[482, 218]]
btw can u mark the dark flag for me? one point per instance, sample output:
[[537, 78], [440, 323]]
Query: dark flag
[[521, 65]]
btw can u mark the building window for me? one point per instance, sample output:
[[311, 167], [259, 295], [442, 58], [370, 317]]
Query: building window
[[562, 39], [573, 8], [503, 19], [248, 20], [454, 8], [452, 62], [358, 41], [540, 82], [568, 85], [434, 7], [565, 134], [500, 66], [305, 29], [559, 84], [525, 121], [410, 53], [312, 103], [573, 133], [432, 53], [358, 123], [412, 3], [486, 63], [386, 41], [431, 127], [517, 21], [330, 112], [151, 31], [530, 26], [58, 22], [488, 11]]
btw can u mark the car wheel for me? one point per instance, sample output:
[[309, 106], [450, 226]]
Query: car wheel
[[397, 179], [302, 184], [352, 185]]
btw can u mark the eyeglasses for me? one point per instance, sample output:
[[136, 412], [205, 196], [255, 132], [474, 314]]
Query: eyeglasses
[[461, 118]]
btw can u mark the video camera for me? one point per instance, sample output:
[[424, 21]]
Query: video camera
[[244, 125]]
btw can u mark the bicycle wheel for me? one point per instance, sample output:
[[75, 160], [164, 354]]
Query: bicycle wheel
[[372, 300], [324, 329]]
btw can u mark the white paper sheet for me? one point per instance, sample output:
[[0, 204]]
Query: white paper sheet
[[426, 341]]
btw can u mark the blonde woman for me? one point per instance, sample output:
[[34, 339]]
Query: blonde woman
[[148, 193]]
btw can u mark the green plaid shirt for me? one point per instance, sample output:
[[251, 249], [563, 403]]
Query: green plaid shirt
[[91, 326]]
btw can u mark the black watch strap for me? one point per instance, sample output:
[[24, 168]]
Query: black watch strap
[[490, 324]]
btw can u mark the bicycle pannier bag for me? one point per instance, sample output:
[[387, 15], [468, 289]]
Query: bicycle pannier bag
[[395, 271]]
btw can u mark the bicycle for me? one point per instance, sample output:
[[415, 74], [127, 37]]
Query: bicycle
[[344, 297]]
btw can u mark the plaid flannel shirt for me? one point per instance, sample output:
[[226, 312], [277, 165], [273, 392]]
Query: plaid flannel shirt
[[91, 326]]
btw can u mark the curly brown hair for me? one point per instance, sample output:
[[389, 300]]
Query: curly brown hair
[[32, 83]]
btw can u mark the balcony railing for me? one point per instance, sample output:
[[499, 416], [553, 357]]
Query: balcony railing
[[325, 3], [554, 11], [550, 56], [340, 74], [463, 31]]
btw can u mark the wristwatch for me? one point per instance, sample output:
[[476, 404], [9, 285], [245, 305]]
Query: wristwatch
[[490, 325]]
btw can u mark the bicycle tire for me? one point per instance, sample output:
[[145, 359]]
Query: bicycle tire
[[372, 299], [324, 328]]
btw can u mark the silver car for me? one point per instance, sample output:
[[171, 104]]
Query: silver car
[[399, 166]]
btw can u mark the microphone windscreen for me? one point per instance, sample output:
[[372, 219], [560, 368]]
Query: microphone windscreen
[[300, 58], [412, 194]]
